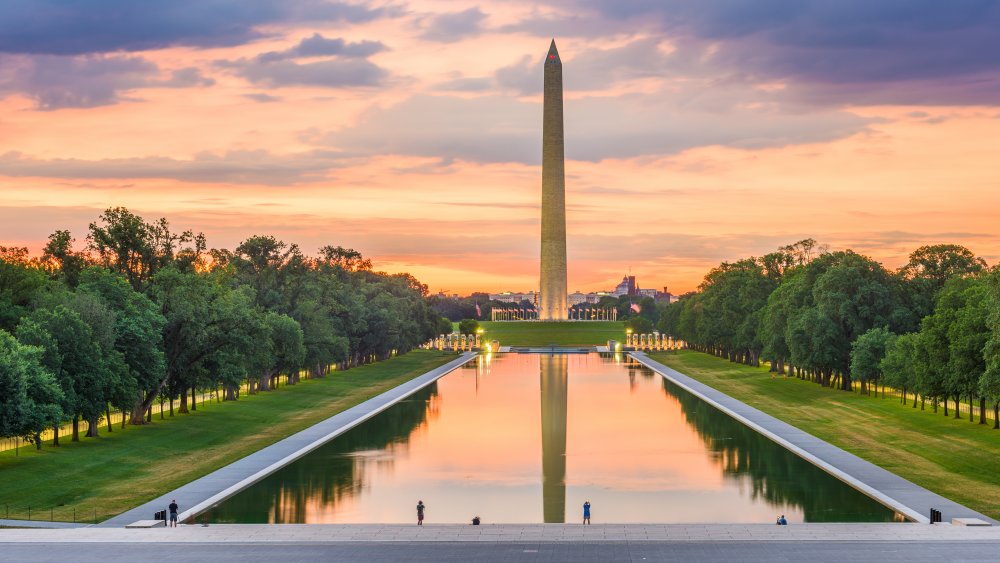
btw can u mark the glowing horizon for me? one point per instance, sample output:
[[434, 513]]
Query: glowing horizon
[[412, 132]]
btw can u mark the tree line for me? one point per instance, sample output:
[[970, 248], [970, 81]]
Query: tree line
[[930, 329], [145, 314]]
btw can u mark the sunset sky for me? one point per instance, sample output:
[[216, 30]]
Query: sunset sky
[[696, 132]]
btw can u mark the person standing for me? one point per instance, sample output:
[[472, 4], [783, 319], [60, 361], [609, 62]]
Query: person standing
[[173, 513], [586, 512], [420, 513]]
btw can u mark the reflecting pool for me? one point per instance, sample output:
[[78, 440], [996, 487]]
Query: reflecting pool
[[528, 438]]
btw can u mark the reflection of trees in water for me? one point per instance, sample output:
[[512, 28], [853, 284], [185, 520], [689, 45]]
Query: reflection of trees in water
[[773, 473], [336, 470]]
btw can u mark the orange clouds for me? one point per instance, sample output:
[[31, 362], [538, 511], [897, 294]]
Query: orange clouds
[[698, 165]]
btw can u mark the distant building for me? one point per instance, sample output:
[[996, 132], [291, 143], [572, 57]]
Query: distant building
[[626, 287], [516, 298]]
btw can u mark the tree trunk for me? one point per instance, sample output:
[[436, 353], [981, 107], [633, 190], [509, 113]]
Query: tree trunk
[[55, 434], [996, 415], [945, 406], [194, 399], [184, 402], [982, 410], [972, 413], [92, 426], [171, 406], [958, 409], [107, 414], [76, 429], [38, 440], [142, 413]]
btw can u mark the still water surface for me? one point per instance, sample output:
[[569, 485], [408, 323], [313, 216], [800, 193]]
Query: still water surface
[[528, 438]]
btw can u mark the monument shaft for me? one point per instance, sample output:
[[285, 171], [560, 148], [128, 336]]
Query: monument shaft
[[552, 305]]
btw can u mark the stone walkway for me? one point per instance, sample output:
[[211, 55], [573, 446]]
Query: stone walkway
[[888, 488], [201, 494], [535, 533], [6, 523]]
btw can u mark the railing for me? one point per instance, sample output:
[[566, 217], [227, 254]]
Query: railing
[[75, 514]]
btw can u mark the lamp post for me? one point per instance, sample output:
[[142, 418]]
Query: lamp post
[[628, 336]]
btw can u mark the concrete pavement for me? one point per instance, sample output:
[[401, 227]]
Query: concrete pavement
[[506, 533]]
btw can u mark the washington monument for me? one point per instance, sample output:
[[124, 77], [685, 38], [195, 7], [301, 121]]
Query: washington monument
[[552, 287]]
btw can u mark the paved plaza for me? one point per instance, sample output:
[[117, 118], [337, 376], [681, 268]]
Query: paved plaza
[[505, 533], [603, 552], [510, 542]]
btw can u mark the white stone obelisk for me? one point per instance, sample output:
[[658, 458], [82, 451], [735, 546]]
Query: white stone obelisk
[[552, 305]]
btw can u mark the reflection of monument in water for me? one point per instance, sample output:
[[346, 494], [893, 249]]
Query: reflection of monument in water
[[554, 376]]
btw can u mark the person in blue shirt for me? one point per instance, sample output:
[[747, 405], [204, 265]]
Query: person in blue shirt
[[586, 512], [782, 521]]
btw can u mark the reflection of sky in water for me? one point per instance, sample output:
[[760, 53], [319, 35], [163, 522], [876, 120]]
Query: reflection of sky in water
[[489, 440]]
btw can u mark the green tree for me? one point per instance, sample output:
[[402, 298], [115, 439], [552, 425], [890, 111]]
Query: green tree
[[75, 357], [989, 383], [468, 326], [639, 325], [204, 316], [61, 260], [125, 243], [21, 283], [930, 267], [968, 334], [138, 328], [900, 364], [867, 353], [30, 397]]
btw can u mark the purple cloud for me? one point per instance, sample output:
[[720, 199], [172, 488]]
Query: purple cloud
[[74, 27], [451, 27], [55, 82], [844, 52], [319, 46]]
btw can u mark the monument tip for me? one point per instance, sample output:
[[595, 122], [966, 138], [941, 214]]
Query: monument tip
[[553, 55]]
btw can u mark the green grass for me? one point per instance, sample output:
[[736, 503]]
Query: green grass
[[541, 333], [121, 470], [954, 458]]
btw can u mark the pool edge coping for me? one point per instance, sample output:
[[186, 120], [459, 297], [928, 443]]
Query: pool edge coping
[[841, 474], [365, 411]]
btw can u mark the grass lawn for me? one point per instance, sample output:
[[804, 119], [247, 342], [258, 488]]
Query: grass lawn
[[121, 470], [954, 458], [541, 333]]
